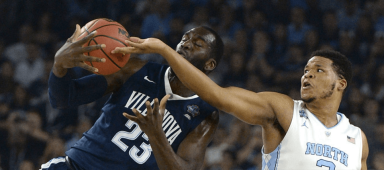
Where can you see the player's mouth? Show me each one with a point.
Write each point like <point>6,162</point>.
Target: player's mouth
<point>306,85</point>
<point>182,53</point>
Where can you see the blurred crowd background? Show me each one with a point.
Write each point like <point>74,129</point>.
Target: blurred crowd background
<point>267,44</point>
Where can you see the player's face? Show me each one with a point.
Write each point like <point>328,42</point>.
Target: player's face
<point>319,79</point>
<point>195,46</point>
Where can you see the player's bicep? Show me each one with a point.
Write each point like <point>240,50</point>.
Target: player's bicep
<point>365,151</point>
<point>251,107</point>
<point>192,149</point>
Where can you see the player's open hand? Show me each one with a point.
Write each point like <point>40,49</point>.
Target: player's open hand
<point>141,46</point>
<point>71,54</point>
<point>152,122</point>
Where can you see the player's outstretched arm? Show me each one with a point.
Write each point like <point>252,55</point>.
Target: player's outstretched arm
<point>253,108</point>
<point>190,154</point>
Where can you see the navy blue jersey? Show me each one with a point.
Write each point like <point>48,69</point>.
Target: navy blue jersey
<point>114,142</point>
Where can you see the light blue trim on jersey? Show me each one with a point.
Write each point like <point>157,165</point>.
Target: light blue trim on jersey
<point>271,160</point>
<point>340,114</point>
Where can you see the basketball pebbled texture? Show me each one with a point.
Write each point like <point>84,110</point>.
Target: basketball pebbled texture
<point>112,34</point>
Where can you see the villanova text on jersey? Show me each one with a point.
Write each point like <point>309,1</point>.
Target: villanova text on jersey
<point>170,126</point>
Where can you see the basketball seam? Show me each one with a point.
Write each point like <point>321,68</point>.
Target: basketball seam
<point>93,39</point>
<point>108,25</point>
<point>86,29</point>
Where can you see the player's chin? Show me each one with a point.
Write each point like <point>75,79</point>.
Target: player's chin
<point>307,98</point>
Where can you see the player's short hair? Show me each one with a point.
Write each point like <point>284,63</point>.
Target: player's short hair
<point>341,65</point>
<point>218,45</point>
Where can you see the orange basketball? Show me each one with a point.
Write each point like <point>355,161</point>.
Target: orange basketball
<point>112,34</point>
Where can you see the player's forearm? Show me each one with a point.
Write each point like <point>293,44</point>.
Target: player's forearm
<point>165,157</point>
<point>191,77</point>
<point>66,91</point>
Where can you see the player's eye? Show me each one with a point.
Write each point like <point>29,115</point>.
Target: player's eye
<point>305,71</point>
<point>320,70</point>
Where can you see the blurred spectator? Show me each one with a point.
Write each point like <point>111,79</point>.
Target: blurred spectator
<point>18,52</point>
<point>314,13</point>
<point>329,30</point>
<point>354,101</point>
<point>185,10</point>
<point>20,99</point>
<point>378,16</point>
<point>374,88</point>
<point>236,71</point>
<point>378,160</point>
<point>279,43</point>
<point>157,23</point>
<point>245,156</point>
<point>214,153</point>
<point>327,5</point>
<point>291,67</point>
<point>176,32</point>
<point>349,15</point>
<point>199,18</point>
<point>44,35</point>
<point>311,42</point>
<point>281,12</point>
<point>297,28</point>
<point>7,84</point>
<point>27,165</point>
<point>240,42</point>
<point>364,35</point>
<point>259,62</point>
<point>55,148</point>
<point>32,68</point>
<point>228,25</point>
<point>256,21</point>
<point>254,83</point>
<point>348,46</point>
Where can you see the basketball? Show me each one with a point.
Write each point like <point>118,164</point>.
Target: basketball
<point>112,34</point>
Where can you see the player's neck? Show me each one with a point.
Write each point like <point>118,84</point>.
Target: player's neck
<point>178,87</point>
<point>325,111</point>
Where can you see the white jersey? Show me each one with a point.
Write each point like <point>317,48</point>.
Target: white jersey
<point>309,145</point>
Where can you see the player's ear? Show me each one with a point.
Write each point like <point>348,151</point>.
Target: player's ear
<point>342,84</point>
<point>210,64</point>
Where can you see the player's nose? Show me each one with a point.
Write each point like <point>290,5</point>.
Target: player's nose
<point>186,44</point>
<point>309,74</point>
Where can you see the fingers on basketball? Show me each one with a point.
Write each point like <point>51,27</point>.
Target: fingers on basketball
<point>92,59</point>
<point>87,67</point>
<point>91,48</point>
<point>136,39</point>
<point>86,38</point>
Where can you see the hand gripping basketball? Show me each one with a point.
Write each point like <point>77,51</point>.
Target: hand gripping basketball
<point>71,54</point>
<point>112,34</point>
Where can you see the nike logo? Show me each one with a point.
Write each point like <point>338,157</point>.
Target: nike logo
<point>146,78</point>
